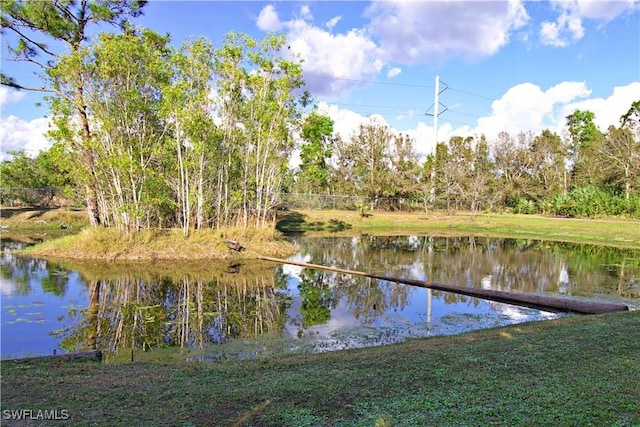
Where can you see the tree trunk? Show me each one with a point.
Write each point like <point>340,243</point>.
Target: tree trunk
<point>93,210</point>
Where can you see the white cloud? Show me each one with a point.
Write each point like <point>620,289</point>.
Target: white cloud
<point>332,63</point>
<point>268,19</point>
<point>568,27</point>
<point>394,72</point>
<point>527,107</point>
<point>333,22</point>
<point>305,12</point>
<point>605,10</point>
<point>404,32</point>
<point>10,96</point>
<point>17,134</point>
<point>566,30</point>
<point>440,30</point>
<point>523,108</point>
<point>567,92</point>
<point>345,121</point>
<point>608,110</point>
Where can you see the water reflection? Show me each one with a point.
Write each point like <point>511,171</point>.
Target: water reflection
<point>190,312</point>
<point>116,307</point>
<point>516,265</point>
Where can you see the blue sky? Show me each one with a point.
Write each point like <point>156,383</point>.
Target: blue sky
<point>504,65</point>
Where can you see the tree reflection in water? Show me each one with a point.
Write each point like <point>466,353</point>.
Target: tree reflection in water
<point>127,312</point>
<point>149,306</point>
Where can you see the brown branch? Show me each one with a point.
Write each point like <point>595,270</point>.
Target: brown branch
<point>20,87</point>
<point>40,46</point>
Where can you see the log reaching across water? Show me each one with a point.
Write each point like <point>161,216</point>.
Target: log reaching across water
<point>541,302</point>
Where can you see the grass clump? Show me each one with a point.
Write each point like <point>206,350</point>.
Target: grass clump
<point>579,370</point>
<point>112,244</point>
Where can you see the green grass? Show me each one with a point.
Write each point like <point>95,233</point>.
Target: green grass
<point>575,371</point>
<point>610,232</point>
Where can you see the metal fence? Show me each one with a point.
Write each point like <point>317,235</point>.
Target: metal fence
<point>54,198</point>
<point>48,197</point>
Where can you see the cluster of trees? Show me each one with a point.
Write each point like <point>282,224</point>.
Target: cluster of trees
<point>156,136</point>
<point>584,172</point>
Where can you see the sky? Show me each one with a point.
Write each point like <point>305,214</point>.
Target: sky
<point>513,66</point>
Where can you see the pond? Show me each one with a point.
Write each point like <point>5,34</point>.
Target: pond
<point>219,311</point>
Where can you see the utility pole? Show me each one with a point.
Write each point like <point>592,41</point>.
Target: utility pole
<point>436,104</point>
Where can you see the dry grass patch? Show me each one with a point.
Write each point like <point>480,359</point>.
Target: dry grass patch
<point>110,244</point>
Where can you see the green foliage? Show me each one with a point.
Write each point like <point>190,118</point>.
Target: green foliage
<point>35,181</point>
<point>586,141</point>
<point>593,202</point>
<point>135,132</point>
<point>377,163</point>
<point>67,24</point>
<point>317,148</point>
<point>316,299</point>
<point>524,206</point>
<point>259,106</point>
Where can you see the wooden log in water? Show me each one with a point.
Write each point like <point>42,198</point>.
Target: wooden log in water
<point>95,355</point>
<point>541,302</point>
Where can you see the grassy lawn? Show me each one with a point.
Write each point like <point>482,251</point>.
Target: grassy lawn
<point>575,371</point>
<point>610,232</point>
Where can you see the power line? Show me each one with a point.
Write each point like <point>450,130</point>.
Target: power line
<point>465,92</point>
<point>367,81</point>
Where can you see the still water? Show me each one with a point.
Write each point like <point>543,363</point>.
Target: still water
<point>257,309</point>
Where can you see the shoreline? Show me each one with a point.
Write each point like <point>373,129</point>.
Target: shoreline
<point>61,234</point>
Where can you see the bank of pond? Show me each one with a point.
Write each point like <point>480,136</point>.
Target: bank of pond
<point>219,310</point>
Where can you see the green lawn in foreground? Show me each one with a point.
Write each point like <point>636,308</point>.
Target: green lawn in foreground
<point>575,371</point>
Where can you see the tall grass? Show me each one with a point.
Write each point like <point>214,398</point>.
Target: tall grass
<point>112,244</point>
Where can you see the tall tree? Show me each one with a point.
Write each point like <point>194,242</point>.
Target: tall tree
<point>585,143</point>
<point>39,26</point>
<point>343,174</point>
<point>369,147</point>
<point>186,105</point>
<point>124,77</point>
<point>259,109</point>
<point>621,155</point>
<point>513,166</point>
<point>481,188</point>
<point>426,185</point>
<point>547,160</point>
<point>623,147</point>
<point>315,151</point>
<point>405,167</point>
